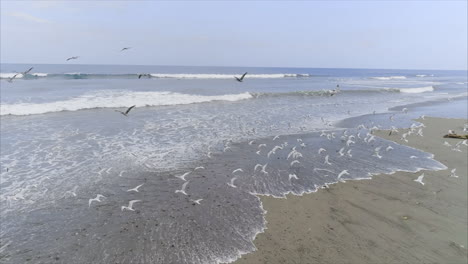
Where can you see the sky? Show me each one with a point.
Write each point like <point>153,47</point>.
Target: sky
<point>312,34</point>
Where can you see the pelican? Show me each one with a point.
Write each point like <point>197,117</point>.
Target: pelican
<point>241,78</point>
<point>135,189</point>
<point>420,179</point>
<point>126,112</point>
<point>97,199</point>
<point>130,205</point>
<point>73,58</point>
<point>231,183</point>
<point>184,186</point>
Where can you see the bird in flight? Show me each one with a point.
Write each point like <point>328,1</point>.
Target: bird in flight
<point>12,78</point>
<point>97,199</point>
<point>73,58</point>
<point>26,72</point>
<point>126,48</point>
<point>130,205</point>
<point>420,179</point>
<point>135,189</point>
<point>241,78</point>
<point>126,112</point>
<point>143,74</point>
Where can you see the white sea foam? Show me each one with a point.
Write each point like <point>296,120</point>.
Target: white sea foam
<point>389,78</point>
<point>421,75</point>
<point>7,75</point>
<point>39,74</point>
<point>114,100</point>
<point>225,76</point>
<point>417,90</point>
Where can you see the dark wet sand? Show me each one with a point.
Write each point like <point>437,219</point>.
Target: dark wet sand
<point>389,219</point>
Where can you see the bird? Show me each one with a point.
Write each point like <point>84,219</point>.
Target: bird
<point>389,148</point>
<point>130,205</point>
<point>341,152</point>
<point>349,142</point>
<point>97,199</point>
<point>72,192</point>
<point>404,110</point>
<point>293,176</point>
<point>251,142</point>
<point>240,170</point>
<point>464,142</point>
<point>135,189</point>
<point>349,153</point>
<point>344,172</point>
<point>422,117</point>
<point>413,157</point>
<point>447,144</point>
<point>376,154</point>
<point>126,48</point>
<point>231,183</point>
<point>199,168</point>
<point>258,152</point>
<point>121,173</point>
<point>12,78</point>
<point>241,78</point>
<point>264,168</point>
<point>453,173</point>
<point>196,201</point>
<point>184,186</point>
<point>182,177</point>
<point>126,112</point>
<point>258,166</point>
<point>294,162</point>
<point>321,150</point>
<point>143,74</point>
<point>26,72</point>
<point>73,58</point>
<point>261,145</point>
<point>326,160</point>
<point>276,137</point>
<point>420,179</point>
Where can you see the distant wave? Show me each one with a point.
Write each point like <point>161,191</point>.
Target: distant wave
<point>417,90</point>
<point>79,75</point>
<point>115,100</point>
<point>389,78</point>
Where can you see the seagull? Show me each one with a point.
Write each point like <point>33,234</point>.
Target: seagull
<point>251,142</point>
<point>293,176</point>
<point>413,157</point>
<point>26,72</point>
<point>72,192</point>
<point>389,148</point>
<point>326,160</point>
<point>234,171</point>
<point>276,137</point>
<point>199,168</point>
<point>393,130</point>
<point>464,142</point>
<point>130,205</point>
<point>135,189</point>
<point>258,152</point>
<point>453,173</point>
<point>349,153</point>
<point>376,154</point>
<point>303,145</point>
<point>258,166</point>
<point>447,144</point>
<point>97,199</point>
<point>143,74</point>
<point>196,201</point>
<point>344,172</point>
<point>261,145</point>
<point>422,117</point>
<point>182,177</point>
<point>126,48</point>
<point>264,169</point>
<point>420,179</point>
<point>184,186</point>
<point>126,112</point>
<point>294,162</point>
<point>241,78</point>
<point>121,173</point>
<point>73,58</point>
<point>349,142</point>
<point>404,110</point>
<point>294,154</point>
<point>341,152</point>
<point>208,155</point>
<point>12,78</point>
<point>321,150</point>
<point>231,183</point>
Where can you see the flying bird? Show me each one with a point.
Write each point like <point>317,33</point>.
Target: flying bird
<point>453,173</point>
<point>196,201</point>
<point>126,48</point>
<point>321,150</point>
<point>26,72</point>
<point>184,186</point>
<point>237,170</point>
<point>143,74</point>
<point>97,199</point>
<point>241,78</point>
<point>231,183</point>
<point>293,176</point>
<point>73,58</point>
<point>126,112</point>
<point>199,168</point>
<point>182,177</point>
<point>326,160</point>
<point>420,179</point>
<point>344,172</point>
<point>130,205</point>
<point>135,189</point>
<point>12,78</point>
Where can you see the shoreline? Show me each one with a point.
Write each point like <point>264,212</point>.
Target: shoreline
<point>367,222</point>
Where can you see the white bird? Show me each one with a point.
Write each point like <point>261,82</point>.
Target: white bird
<point>422,117</point>
<point>457,149</point>
<point>404,110</point>
<point>199,168</point>
<point>371,138</point>
<point>420,133</point>
<point>321,150</point>
<point>344,172</point>
<point>376,154</point>
<point>130,205</point>
<point>135,189</point>
<point>303,145</point>
<point>196,201</point>
<point>294,154</point>
<point>257,167</point>
<point>293,176</point>
<point>447,144</point>
<point>453,173</point>
<point>392,118</point>
<point>184,186</point>
<point>261,145</point>
<point>323,133</point>
<point>231,183</point>
<point>251,142</point>
<point>276,137</point>
<point>208,155</point>
<point>108,170</point>
<point>413,157</point>
<point>97,199</point>
<point>258,152</point>
<point>121,173</point>
<point>264,169</point>
<point>299,140</point>
<point>389,148</point>
<point>451,131</point>
<point>237,170</point>
<point>326,160</point>
<point>294,162</point>
<point>464,142</point>
<point>349,142</point>
<point>341,152</point>
<point>403,137</point>
<point>72,192</point>
<point>182,177</point>
<point>349,153</point>
<point>420,179</point>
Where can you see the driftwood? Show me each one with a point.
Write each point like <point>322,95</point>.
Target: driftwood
<point>456,136</point>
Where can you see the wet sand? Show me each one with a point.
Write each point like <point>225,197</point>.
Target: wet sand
<point>389,219</point>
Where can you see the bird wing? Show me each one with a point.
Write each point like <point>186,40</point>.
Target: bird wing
<point>185,185</point>
<point>243,75</point>
<point>26,72</point>
<point>130,204</point>
<point>130,108</point>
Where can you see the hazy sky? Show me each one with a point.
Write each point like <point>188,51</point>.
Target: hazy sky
<point>321,34</point>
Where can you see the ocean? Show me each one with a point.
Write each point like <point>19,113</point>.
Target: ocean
<point>62,143</point>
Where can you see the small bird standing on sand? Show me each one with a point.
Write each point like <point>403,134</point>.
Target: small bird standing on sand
<point>126,112</point>
<point>73,58</point>
<point>130,205</point>
<point>241,78</point>
<point>420,179</point>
